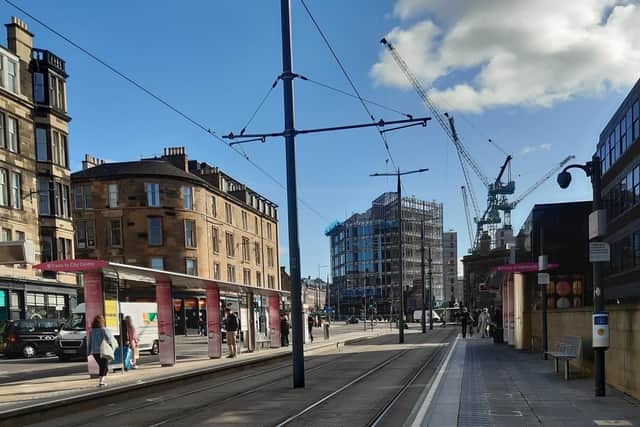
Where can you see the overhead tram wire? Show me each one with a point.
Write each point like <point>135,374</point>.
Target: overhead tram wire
<point>176,110</point>
<point>353,86</point>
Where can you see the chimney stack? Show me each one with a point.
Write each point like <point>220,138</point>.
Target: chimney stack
<point>177,156</point>
<point>19,39</point>
<point>90,161</point>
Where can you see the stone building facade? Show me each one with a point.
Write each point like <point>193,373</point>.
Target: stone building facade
<point>178,215</point>
<point>34,177</point>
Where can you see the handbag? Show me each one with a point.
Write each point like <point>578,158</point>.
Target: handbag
<point>106,351</point>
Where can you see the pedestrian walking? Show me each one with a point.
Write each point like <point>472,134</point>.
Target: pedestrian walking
<point>483,320</point>
<point>284,331</point>
<point>101,345</point>
<point>464,321</point>
<point>132,341</point>
<point>472,324</point>
<point>231,326</point>
<point>310,325</point>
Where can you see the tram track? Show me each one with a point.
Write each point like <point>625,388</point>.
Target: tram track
<point>379,416</point>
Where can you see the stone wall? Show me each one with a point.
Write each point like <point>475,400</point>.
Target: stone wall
<point>623,356</point>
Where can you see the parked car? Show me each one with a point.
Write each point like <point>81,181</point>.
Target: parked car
<point>352,320</point>
<point>28,338</point>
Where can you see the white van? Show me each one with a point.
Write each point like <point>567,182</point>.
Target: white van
<point>417,316</point>
<point>71,340</point>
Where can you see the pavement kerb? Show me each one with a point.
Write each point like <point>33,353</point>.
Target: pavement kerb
<point>8,417</point>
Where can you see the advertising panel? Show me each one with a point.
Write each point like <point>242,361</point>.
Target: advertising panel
<point>274,320</point>
<point>214,338</point>
<point>165,324</point>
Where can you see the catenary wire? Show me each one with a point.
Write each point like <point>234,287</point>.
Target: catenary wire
<point>165,103</point>
<point>264,99</point>
<point>344,92</point>
<point>353,86</point>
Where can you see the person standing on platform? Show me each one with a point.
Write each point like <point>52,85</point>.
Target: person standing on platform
<point>100,333</point>
<point>483,320</point>
<point>310,325</point>
<point>231,326</point>
<point>284,331</point>
<point>131,341</point>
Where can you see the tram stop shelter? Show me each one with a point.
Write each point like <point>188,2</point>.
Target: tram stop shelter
<point>98,278</point>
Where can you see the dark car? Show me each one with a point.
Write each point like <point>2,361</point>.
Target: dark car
<point>352,319</point>
<point>28,338</point>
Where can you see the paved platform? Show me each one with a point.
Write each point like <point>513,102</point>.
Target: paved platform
<point>487,384</point>
<point>24,394</point>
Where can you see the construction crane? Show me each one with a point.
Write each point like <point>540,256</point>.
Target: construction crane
<point>507,207</point>
<point>491,215</point>
<point>467,216</point>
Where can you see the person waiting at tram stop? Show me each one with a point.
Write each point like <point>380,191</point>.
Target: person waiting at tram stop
<point>130,339</point>
<point>231,326</point>
<point>284,331</point>
<point>99,337</point>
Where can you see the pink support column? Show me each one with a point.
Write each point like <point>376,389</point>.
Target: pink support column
<point>213,321</point>
<point>165,323</point>
<point>274,320</point>
<point>93,306</point>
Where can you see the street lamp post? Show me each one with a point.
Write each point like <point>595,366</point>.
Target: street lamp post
<point>593,170</point>
<point>423,321</point>
<point>398,174</point>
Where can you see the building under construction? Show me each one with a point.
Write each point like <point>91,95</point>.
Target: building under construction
<point>365,256</point>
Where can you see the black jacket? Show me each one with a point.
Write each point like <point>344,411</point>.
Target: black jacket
<point>231,323</point>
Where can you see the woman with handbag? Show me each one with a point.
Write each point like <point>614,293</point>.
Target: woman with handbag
<point>101,344</point>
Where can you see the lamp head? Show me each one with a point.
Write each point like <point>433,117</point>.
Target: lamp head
<point>564,179</point>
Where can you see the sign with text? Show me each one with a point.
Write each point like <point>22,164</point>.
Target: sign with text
<point>599,252</point>
<point>72,265</point>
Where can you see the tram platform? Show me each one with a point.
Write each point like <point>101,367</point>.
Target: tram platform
<point>18,398</point>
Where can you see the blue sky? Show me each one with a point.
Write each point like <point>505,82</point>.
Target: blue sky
<point>215,61</point>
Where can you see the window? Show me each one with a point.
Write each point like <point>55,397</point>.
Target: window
<point>157,263</point>
<point>42,152</point>
<point>214,209</point>
<point>231,273</point>
<point>245,249</point>
<point>65,202</point>
<point>85,236</point>
<point>230,246</point>
<point>258,279</point>
<point>245,225</point>
<point>228,213</point>
<point>56,92</point>
<point>271,282</point>
<point>64,248</point>
<point>112,196</point>
<point>270,257</point>
<point>6,235</point>
<point>256,223</point>
<point>20,235</point>
<point>269,232</point>
<point>115,233</point>
<point>38,87</point>
<point>44,192</point>
<point>78,202</point>
<point>153,194</point>
<point>246,276</point>
<point>2,127</point>
<point>190,233</point>
<point>12,128</point>
<point>256,252</point>
<point>13,82</point>
<point>190,267</point>
<point>154,227</point>
<point>16,193</point>
<point>216,271</point>
<point>636,184</point>
<point>215,240</point>
<point>4,188</point>
<point>59,148</point>
<point>187,195</point>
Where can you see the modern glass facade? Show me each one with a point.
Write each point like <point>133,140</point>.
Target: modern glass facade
<point>365,255</point>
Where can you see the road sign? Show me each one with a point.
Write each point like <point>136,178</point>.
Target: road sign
<point>599,252</point>
<point>543,278</point>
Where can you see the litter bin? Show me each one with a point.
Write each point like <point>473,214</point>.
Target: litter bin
<point>325,329</point>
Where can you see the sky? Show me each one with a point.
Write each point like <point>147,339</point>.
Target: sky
<point>540,78</point>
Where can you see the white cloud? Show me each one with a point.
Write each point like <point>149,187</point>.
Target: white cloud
<point>513,52</point>
<point>528,149</point>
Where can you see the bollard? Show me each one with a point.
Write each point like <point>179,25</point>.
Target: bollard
<point>325,328</point>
